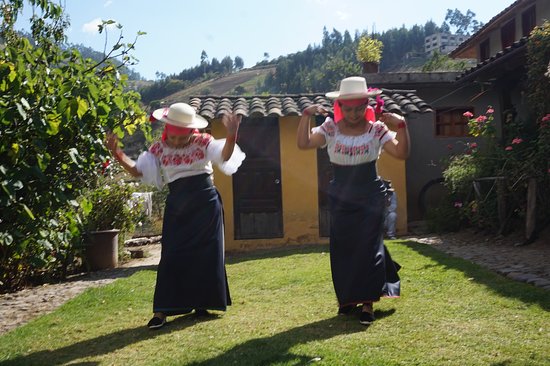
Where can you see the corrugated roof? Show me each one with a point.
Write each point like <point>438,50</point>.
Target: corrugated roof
<point>403,102</point>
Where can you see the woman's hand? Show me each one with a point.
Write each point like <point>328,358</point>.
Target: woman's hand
<point>111,141</point>
<point>392,120</point>
<point>231,123</point>
<point>314,109</point>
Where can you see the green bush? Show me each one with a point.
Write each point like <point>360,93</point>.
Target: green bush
<point>55,107</point>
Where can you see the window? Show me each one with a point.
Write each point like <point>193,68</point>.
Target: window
<point>508,33</point>
<point>484,50</point>
<point>450,122</point>
<point>528,21</point>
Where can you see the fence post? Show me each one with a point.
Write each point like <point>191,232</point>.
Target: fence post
<point>530,215</point>
<point>501,203</point>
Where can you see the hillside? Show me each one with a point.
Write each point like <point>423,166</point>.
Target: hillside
<point>247,79</point>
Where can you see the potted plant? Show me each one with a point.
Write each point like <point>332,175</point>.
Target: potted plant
<point>369,53</point>
<point>109,214</point>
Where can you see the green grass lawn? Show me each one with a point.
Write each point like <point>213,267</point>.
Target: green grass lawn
<point>451,312</point>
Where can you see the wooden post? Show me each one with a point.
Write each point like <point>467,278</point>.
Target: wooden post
<point>530,216</point>
<point>501,204</point>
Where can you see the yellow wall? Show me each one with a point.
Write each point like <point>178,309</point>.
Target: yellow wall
<point>393,169</point>
<point>299,192</point>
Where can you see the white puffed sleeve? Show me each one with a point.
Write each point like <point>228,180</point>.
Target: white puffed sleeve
<point>214,153</point>
<point>148,165</point>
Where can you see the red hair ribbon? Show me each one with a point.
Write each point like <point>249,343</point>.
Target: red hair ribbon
<point>379,105</point>
<point>177,131</point>
<point>369,111</point>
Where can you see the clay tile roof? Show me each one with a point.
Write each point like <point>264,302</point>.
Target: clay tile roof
<point>402,102</point>
<point>501,56</point>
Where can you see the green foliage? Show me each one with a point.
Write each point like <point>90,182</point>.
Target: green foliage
<point>445,217</point>
<point>522,153</point>
<point>461,172</point>
<point>55,107</point>
<point>110,206</point>
<point>441,62</point>
<point>369,49</point>
<point>464,23</point>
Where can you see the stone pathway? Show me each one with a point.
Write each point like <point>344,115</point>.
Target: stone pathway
<point>524,263</point>
<point>530,263</point>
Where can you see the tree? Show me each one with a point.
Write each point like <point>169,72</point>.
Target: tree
<point>204,61</point>
<point>239,63</point>
<point>55,107</point>
<point>227,64</point>
<point>441,62</point>
<point>464,23</point>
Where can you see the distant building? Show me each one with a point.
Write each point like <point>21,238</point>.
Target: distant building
<point>443,42</point>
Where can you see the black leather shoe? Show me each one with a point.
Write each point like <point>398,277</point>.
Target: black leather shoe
<point>366,318</point>
<point>156,322</point>
<point>344,310</point>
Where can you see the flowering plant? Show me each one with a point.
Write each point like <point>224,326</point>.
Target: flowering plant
<point>481,125</point>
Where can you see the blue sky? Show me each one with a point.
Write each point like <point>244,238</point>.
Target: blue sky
<point>179,30</point>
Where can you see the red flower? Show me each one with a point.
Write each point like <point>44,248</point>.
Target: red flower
<point>104,166</point>
<point>508,148</point>
<point>517,140</point>
<point>490,111</point>
<point>481,119</point>
<point>468,114</point>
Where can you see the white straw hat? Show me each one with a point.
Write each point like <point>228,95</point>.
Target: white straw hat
<point>353,88</point>
<point>180,115</point>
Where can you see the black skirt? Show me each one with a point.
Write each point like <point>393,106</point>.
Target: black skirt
<point>191,272</point>
<point>362,268</point>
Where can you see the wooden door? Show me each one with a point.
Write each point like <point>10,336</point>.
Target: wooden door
<point>257,184</point>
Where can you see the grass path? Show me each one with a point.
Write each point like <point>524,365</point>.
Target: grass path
<point>451,312</point>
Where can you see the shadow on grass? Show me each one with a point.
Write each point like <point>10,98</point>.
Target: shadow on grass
<point>255,351</point>
<point>496,282</point>
<point>104,344</point>
<point>276,348</point>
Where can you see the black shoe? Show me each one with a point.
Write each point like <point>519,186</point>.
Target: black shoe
<point>156,322</point>
<point>344,310</point>
<point>201,312</point>
<point>366,318</point>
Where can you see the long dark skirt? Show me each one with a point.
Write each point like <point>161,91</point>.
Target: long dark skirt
<point>362,268</point>
<point>191,273</point>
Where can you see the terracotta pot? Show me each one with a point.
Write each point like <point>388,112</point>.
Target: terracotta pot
<point>102,249</point>
<point>370,67</point>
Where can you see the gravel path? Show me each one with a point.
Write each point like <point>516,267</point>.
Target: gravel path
<point>530,263</point>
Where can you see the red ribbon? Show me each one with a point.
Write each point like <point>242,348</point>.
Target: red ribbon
<point>369,111</point>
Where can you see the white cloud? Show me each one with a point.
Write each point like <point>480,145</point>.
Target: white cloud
<point>107,3</point>
<point>91,26</point>
<point>342,15</point>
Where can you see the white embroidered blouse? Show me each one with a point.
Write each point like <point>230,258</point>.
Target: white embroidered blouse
<point>354,150</point>
<point>194,159</point>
